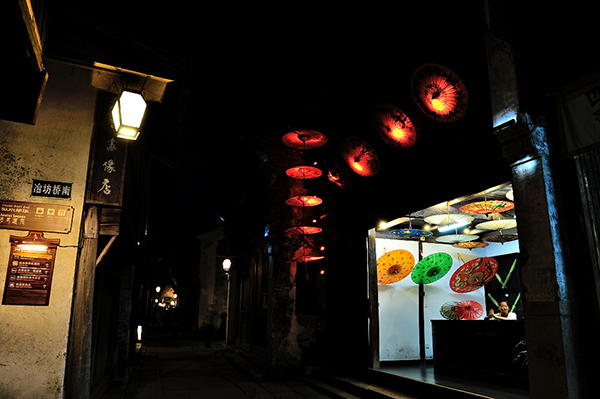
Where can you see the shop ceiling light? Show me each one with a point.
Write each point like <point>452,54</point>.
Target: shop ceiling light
<point>454,226</point>
<point>128,114</point>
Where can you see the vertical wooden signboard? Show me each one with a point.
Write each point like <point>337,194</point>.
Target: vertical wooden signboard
<point>30,267</point>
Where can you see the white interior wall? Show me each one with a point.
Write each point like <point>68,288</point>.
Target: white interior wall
<point>399,302</point>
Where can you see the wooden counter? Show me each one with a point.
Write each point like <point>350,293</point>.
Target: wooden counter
<point>481,350</point>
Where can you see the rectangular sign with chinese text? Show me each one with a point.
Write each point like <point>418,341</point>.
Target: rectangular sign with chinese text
<point>51,189</point>
<point>30,268</point>
<point>35,216</point>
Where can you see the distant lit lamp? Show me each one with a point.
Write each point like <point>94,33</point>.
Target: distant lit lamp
<point>128,114</point>
<point>226,265</point>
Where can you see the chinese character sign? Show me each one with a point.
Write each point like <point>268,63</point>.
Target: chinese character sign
<point>105,181</point>
<point>51,189</point>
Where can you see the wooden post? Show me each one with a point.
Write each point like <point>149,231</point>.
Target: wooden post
<point>373,301</point>
<point>80,339</point>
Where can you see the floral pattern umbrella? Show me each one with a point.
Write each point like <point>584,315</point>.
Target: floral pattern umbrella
<point>447,310</point>
<point>469,310</point>
<point>431,268</point>
<point>394,266</point>
<point>487,207</point>
<point>473,275</point>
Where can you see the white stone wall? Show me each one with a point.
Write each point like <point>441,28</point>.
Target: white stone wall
<point>33,339</point>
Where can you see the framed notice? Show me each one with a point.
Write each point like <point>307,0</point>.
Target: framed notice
<point>53,218</point>
<point>30,267</point>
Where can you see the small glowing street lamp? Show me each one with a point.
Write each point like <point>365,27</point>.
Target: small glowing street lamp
<point>128,114</point>
<point>226,265</point>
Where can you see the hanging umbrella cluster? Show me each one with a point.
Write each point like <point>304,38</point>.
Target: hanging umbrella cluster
<point>394,266</point>
<point>303,140</point>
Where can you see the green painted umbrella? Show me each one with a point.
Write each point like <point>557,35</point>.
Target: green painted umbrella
<point>431,268</point>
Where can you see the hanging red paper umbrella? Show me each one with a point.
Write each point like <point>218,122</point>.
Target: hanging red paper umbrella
<point>304,230</point>
<point>304,200</point>
<point>394,126</point>
<point>360,156</point>
<point>439,92</point>
<point>469,310</point>
<point>473,275</point>
<point>304,172</point>
<point>394,266</point>
<point>304,139</point>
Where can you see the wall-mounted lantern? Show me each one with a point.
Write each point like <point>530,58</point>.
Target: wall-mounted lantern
<point>134,89</point>
<point>128,114</point>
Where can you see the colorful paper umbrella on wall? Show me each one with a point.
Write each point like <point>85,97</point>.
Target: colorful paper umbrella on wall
<point>439,92</point>
<point>394,126</point>
<point>487,207</point>
<point>469,310</point>
<point>473,275</point>
<point>501,238</point>
<point>360,156</point>
<point>394,266</point>
<point>470,244</point>
<point>304,139</point>
<point>447,310</point>
<point>431,268</point>
<point>303,172</point>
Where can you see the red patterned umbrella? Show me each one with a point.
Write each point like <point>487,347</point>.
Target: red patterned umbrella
<point>360,156</point>
<point>394,126</point>
<point>439,92</point>
<point>469,310</point>
<point>473,275</point>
